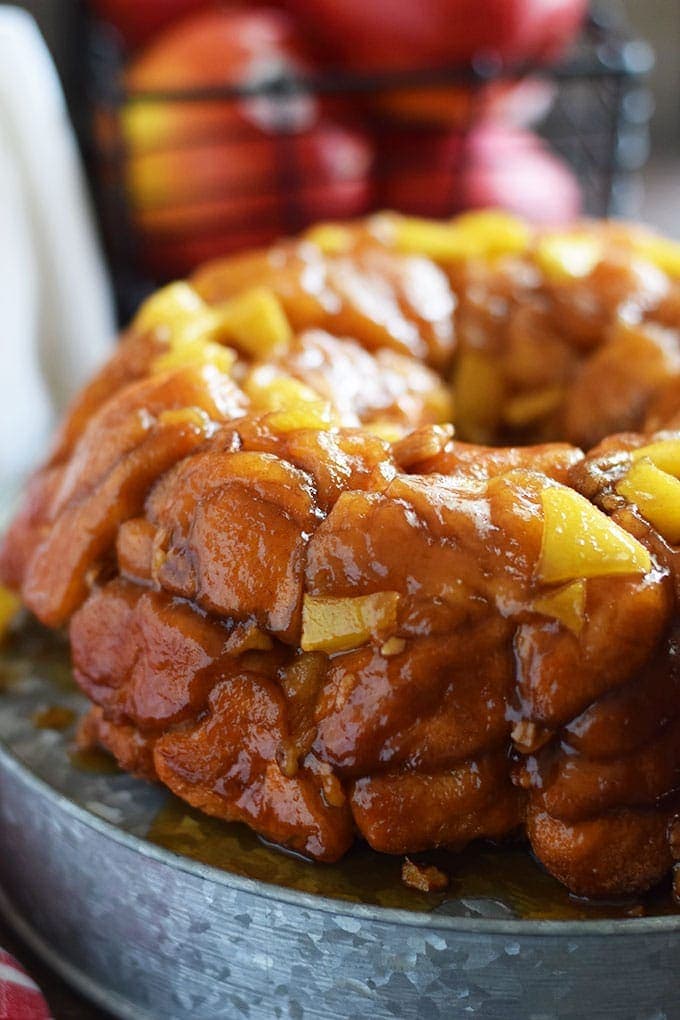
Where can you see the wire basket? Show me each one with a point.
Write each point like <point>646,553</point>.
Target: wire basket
<point>283,153</point>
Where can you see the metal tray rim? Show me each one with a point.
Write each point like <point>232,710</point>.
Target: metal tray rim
<point>362,911</point>
<point>107,999</point>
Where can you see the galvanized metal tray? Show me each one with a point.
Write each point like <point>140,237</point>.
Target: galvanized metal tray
<point>149,933</point>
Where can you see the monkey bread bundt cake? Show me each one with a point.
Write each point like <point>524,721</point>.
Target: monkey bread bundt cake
<point>300,601</point>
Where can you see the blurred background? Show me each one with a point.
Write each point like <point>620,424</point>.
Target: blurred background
<point>209,127</point>
<point>659,22</point>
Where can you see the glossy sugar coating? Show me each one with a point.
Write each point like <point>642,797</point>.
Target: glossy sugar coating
<point>299,602</point>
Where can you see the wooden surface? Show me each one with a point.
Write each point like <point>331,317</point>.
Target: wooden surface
<point>64,1003</point>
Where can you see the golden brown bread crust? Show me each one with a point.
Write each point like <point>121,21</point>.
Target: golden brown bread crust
<point>184,531</point>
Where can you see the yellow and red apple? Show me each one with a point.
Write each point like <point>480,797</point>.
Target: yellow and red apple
<point>398,34</point>
<point>438,172</point>
<point>193,204</point>
<point>207,176</point>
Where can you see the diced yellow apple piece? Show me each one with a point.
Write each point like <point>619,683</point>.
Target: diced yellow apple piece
<point>181,318</point>
<point>268,389</point>
<point>415,236</point>
<point>656,495</point>
<point>317,416</point>
<point>249,638</point>
<point>390,431</point>
<point>478,390</point>
<point>197,352</point>
<point>255,322</point>
<point>293,405</point>
<point>579,541</point>
<point>393,646</point>
<point>331,238</point>
<point>195,417</point>
<point>10,604</point>
<point>493,232</point>
<point>662,252</point>
<point>257,641</point>
<point>178,313</point>
<point>177,299</point>
<point>482,234</point>
<point>528,737</point>
<point>566,604</point>
<point>439,402</point>
<point>331,624</point>
<point>665,453</point>
<point>527,408</point>
<point>564,257</point>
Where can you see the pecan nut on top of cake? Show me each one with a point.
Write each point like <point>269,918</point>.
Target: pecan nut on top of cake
<point>298,601</point>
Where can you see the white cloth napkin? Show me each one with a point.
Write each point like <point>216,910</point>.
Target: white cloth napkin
<point>56,317</point>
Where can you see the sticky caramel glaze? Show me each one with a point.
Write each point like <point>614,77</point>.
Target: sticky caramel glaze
<point>596,477</point>
<point>605,344</point>
<point>573,357</point>
<point>367,387</point>
<point>383,299</point>
<point>360,386</point>
<point>193,661</point>
<point>183,533</point>
<point>602,791</point>
<point>409,746</point>
<point>70,524</point>
<point>114,442</point>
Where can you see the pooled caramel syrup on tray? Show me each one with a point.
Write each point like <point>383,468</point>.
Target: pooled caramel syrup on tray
<point>505,875</point>
<point>485,880</point>
<point>34,650</point>
<point>53,717</point>
<point>93,760</point>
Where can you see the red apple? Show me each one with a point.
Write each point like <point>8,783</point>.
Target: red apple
<point>438,173</point>
<point>218,47</point>
<point>218,229</point>
<point>328,154</point>
<point>205,177</point>
<point>400,34</point>
<point>139,20</point>
<point>209,50</point>
<point>270,211</point>
<point>520,103</point>
<point>201,201</point>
